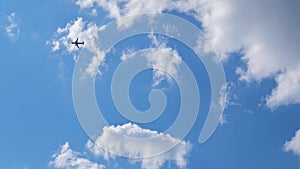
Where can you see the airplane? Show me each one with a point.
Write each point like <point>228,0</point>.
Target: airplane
<point>76,43</point>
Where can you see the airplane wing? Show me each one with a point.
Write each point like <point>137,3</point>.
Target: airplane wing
<point>76,43</point>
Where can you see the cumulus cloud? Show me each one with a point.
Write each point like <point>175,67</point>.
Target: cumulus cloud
<point>164,60</point>
<point>112,140</point>
<point>66,158</point>
<point>116,139</point>
<point>84,31</point>
<point>117,9</point>
<point>267,37</point>
<point>293,145</point>
<point>161,57</point>
<point>12,28</point>
<point>265,31</point>
<point>287,90</point>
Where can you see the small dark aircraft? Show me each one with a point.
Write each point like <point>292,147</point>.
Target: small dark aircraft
<point>76,43</point>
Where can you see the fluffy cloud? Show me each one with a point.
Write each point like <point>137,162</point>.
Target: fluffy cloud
<point>84,31</point>
<point>12,27</point>
<point>293,145</point>
<point>287,90</point>
<point>159,57</point>
<point>117,9</point>
<point>112,140</point>
<point>89,32</point>
<point>66,158</point>
<point>163,58</point>
<point>265,31</point>
<point>267,37</point>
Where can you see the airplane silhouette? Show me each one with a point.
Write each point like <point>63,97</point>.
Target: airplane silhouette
<point>76,43</point>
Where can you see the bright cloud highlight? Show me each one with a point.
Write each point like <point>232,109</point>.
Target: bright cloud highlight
<point>112,140</point>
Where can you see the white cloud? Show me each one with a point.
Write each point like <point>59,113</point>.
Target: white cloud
<point>160,58</point>
<point>269,39</point>
<point>266,31</point>
<point>164,60</point>
<point>227,98</point>
<point>99,151</point>
<point>287,90</point>
<point>224,102</point>
<point>113,141</point>
<point>223,119</point>
<point>293,145</point>
<point>224,96</point>
<point>84,31</point>
<point>85,3</point>
<point>12,28</point>
<point>117,9</point>
<point>66,158</point>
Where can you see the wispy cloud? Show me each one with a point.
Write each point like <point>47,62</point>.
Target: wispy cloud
<point>12,27</point>
<point>227,98</point>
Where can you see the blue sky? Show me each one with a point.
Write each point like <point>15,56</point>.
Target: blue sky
<point>257,45</point>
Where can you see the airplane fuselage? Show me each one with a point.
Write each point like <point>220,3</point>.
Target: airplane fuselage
<point>76,43</point>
